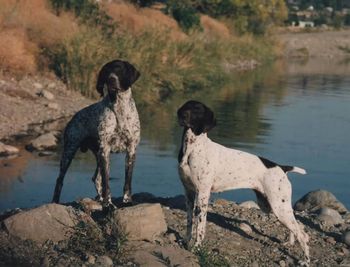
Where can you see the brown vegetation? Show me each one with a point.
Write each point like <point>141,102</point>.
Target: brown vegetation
<point>26,27</point>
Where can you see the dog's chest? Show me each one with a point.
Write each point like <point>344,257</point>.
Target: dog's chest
<point>127,131</point>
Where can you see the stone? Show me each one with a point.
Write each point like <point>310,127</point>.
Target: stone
<point>6,150</point>
<point>46,94</point>
<point>346,238</point>
<point>103,261</point>
<point>46,141</point>
<point>222,202</point>
<point>249,205</point>
<point>245,228</point>
<point>140,222</point>
<point>329,216</point>
<point>38,86</point>
<point>315,200</point>
<point>160,256</point>
<point>53,106</point>
<point>89,204</point>
<point>48,222</point>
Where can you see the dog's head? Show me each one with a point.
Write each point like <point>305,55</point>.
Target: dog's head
<point>118,75</point>
<point>197,116</point>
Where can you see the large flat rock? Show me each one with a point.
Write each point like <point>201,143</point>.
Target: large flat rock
<point>49,222</point>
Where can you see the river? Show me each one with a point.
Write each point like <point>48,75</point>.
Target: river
<point>294,114</point>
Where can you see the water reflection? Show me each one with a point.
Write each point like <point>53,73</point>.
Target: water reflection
<point>293,114</point>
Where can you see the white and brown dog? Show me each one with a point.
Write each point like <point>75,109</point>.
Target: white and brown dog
<point>206,167</point>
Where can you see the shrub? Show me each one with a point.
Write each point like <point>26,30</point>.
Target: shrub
<point>184,13</point>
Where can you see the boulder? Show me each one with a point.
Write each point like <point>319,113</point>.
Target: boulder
<point>46,141</point>
<point>315,200</point>
<point>329,217</point>
<point>6,150</point>
<point>48,222</point>
<point>140,222</point>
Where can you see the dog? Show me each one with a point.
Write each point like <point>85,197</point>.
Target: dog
<point>205,167</point>
<point>111,125</point>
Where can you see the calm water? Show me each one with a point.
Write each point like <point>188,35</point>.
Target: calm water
<point>295,114</point>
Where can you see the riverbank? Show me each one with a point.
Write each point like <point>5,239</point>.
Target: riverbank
<point>237,235</point>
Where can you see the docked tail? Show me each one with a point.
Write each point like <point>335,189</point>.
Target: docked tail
<point>292,169</point>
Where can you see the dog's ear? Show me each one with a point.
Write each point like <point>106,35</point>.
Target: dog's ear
<point>204,121</point>
<point>102,77</point>
<point>131,74</point>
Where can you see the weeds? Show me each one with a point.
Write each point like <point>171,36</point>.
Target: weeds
<point>209,258</point>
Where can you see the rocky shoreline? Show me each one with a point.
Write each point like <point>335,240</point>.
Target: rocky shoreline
<point>151,232</point>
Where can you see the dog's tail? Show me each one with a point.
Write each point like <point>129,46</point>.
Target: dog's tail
<point>293,169</point>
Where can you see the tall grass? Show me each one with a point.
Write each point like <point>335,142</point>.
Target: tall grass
<point>75,48</point>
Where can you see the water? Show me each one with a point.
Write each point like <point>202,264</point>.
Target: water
<point>296,114</point>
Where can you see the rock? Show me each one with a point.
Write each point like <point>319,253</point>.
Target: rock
<point>46,141</point>
<point>90,259</point>
<point>38,86</point>
<point>222,202</point>
<point>249,205</point>
<point>90,205</point>
<point>6,150</point>
<point>315,200</point>
<point>48,222</point>
<point>45,153</point>
<point>53,106</point>
<point>103,261</point>
<point>140,222</point>
<point>159,256</point>
<point>46,94</point>
<point>329,216</point>
<point>346,238</point>
<point>245,228</point>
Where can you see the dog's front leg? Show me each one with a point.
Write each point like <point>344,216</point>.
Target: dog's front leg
<point>103,162</point>
<point>200,217</point>
<point>129,167</point>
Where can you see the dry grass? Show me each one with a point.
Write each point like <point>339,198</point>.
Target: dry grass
<point>26,26</point>
<point>17,53</point>
<point>138,20</point>
<point>214,28</point>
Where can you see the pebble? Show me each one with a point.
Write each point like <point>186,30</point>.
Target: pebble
<point>249,205</point>
<point>53,106</point>
<point>346,238</point>
<point>46,94</point>
<point>104,261</point>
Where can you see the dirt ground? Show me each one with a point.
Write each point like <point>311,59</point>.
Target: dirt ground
<point>22,103</point>
<point>324,44</point>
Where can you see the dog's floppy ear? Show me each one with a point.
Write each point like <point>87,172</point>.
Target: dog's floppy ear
<point>204,122</point>
<point>131,74</point>
<point>103,76</point>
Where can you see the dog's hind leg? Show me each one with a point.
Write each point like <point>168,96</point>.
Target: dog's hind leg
<point>68,154</point>
<point>279,193</point>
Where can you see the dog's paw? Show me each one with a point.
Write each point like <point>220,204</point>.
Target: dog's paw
<point>108,206</point>
<point>127,199</point>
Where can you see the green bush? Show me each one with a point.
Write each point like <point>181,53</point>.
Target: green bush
<point>184,13</point>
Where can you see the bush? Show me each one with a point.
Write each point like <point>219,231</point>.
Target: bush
<point>186,15</point>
